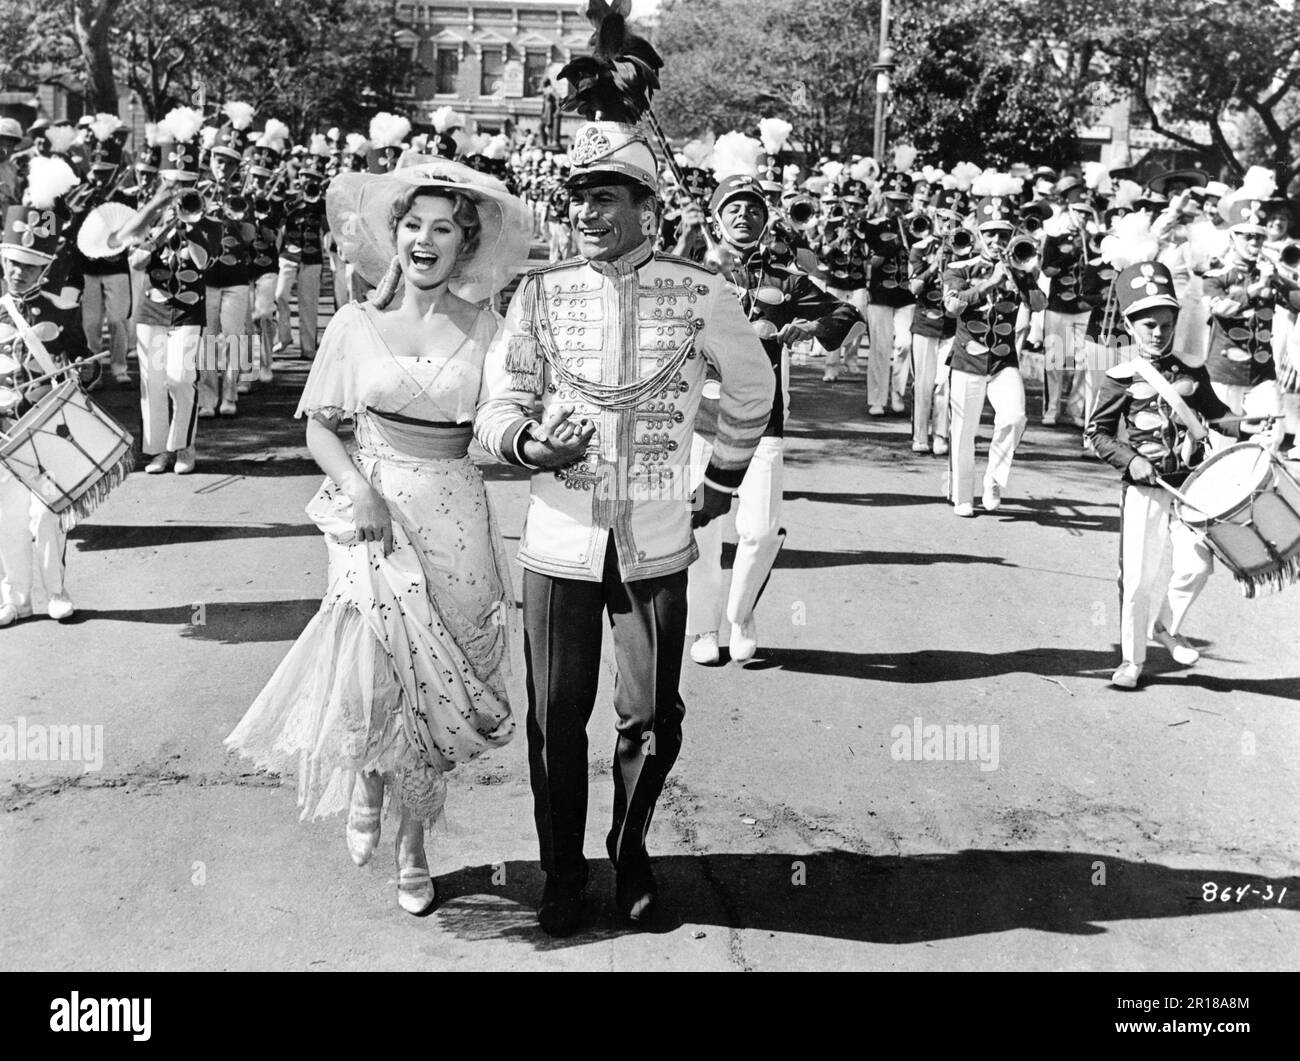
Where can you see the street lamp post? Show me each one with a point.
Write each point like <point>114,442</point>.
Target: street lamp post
<point>882,68</point>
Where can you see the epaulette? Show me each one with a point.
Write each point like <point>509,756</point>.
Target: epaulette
<point>675,259</point>
<point>1122,371</point>
<point>67,298</point>
<point>551,267</point>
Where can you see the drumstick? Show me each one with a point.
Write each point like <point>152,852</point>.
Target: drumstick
<point>1183,498</point>
<point>68,368</point>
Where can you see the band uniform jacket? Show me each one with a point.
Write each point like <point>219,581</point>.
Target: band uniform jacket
<point>930,320</point>
<point>56,322</point>
<point>888,285</point>
<point>1151,428</point>
<point>986,324</point>
<point>772,296</point>
<point>305,227</point>
<point>1241,333</point>
<point>647,321</point>
<point>1065,263</point>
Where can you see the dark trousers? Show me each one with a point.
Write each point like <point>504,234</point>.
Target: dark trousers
<point>562,639</point>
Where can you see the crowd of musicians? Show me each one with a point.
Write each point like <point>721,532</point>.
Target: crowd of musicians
<point>947,288</point>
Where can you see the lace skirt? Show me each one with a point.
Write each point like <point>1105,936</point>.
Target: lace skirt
<point>404,669</point>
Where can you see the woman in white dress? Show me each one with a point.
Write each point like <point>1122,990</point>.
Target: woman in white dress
<point>401,674</point>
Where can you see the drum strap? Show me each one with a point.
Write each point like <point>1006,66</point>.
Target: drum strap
<point>1162,386</point>
<point>34,345</point>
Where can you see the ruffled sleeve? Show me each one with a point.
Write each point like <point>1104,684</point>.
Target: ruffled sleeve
<point>334,383</point>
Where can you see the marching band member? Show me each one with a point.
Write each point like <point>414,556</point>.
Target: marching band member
<point>1244,294</point>
<point>986,295</point>
<point>1164,405</point>
<point>890,303</point>
<point>178,243</point>
<point>39,331</point>
<point>933,328</point>
<point>228,274</point>
<point>302,250</point>
<point>845,254</point>
<point>106,291</point>
<point>784,306</point>
<point>1066,238</point>
<point>266,175</point>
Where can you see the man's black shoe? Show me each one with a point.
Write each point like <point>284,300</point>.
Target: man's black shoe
<point>636,893</point>
<point>560,913</point>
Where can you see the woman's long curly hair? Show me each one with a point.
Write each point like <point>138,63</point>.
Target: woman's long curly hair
<point>464,215</point>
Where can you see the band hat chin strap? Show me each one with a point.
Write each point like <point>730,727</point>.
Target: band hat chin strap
<point>34,345</point>
<point>1162,386</point>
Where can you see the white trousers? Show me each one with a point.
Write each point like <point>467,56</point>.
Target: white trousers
<point>889,329</point>
<point>930,387</point>
<point>1263,399</point>
<point>107,299</point>
<point>1163,566</point>
<point>966,394</point>
<point>339,280</point>
<point>1064,357</point>
<point>307,279</point>
<point>227,309</point>
<point>263,314</point>
<point>168,376</point>
<point>847,352</point>
<point>758,524</point>
<point>31,545</point>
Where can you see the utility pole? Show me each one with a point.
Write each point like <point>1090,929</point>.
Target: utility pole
<point>882,68</point>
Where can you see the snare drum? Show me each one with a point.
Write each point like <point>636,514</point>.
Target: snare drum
<point>1247,506</point>
<point>68,452</point>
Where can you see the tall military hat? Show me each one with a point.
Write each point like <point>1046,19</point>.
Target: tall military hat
<point>387,133</point>
<point>315,163</point>
<point>698,182</point>
<point>611,88</point>
<point>896,185</point>
<point>268,148</point>
<point>31,230</point>
<point>232,136</point>
<point>1143,285</point>
<point>105,145</point>
<point>178,135</point>
<point>949,200</point>
<point>737,186</point>
<point>997,196</point>
<point>1246,215</point>
<point>149,155</point>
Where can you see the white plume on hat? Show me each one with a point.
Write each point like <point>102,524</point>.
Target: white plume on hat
<point>419,142</point>
<point>1126,194</point>
<point>477,143</point>
<point>445,119</point>
<point>388,130</point>
<point>1097,178</point>
<point>1130,241</point>
<point>47,179</point>
<point>239,113</point>
<point>61,137</point>
<point>790,173</point>
<point>774,133</point>
<point>816,185</point>
<point>104,126</point>
<point>995,182</point>
<point>904,157</point>
<point>318,145</point>
<point>497,147</point>
<point>962,176</point>
<point>1258,183</point>
<point>274,136</point>
<point>932,175</point>
<point>831,170</point>
<point>865,169</point>
<point>735,153</point>
<point>150,133</point>
<point>356,144</point>
<point>699,152</point>
<point>181,125</point>
<point>208,136</point>
<point>332,134</point>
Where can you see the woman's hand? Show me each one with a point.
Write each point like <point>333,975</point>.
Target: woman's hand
<point>371,518</point>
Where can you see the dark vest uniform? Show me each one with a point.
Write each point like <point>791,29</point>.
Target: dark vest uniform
<point>985,343</point>
<point>887,240</point>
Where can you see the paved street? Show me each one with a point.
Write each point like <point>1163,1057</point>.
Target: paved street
<point>793,835</point>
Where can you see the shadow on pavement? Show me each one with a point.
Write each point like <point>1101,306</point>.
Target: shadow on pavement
<point>797,559</point>
<point>866,898</point>
<point>94,536</point>
<point>869,500</point>
<point>231,623</point>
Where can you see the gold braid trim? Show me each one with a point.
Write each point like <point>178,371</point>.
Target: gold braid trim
<point>523,354</point>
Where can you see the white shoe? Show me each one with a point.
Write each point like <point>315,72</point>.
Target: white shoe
<point>185,461</point>
<point>228,408</point>
<point>415,891</point>
<point>265,375</point>
<point>244,386</point>
<point>121,375</point>
<point>992,496</point>
<point>158,464</point>
<point>830,375</point>
<point>963,508</point>
<point>60,607</point>
<point>851,368</point>
<point>9,614</point>
<point>704,649</point>
<point>1293,454</point>
<point>1178,647</point>
<point>940,447</point>
<point>1049,419</point>
<point>898,407</point>
<point>744,640</point>
<point>920,447</point>
<point>206,412</point>
<point>1126,676</point>
<point>876,410</point>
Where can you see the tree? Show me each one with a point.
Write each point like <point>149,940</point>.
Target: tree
<point>728,63</point>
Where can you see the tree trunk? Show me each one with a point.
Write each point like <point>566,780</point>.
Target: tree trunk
<point>91,21</point>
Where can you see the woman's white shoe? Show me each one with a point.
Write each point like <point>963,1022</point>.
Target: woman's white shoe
<point>363,817</point>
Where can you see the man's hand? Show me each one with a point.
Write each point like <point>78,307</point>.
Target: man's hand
<point>796,331</point>
<point>558,441</point>
<point>1140,470</point>
<point>707,504</point>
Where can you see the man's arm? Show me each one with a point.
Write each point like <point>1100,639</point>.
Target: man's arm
<point>833,317</point>
<point>1103,426</point>
<point>514,375</point>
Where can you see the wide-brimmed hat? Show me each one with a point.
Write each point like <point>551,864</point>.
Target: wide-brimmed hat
<point>359,205</point>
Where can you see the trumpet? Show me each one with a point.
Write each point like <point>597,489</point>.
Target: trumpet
<point>801,210</point>
<point>961,243</point>
<point>236,207</point>
<point>920,225</point>
<point>1286,261</point>
<point>1021,253</point>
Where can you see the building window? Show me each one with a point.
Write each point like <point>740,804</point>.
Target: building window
<point>448,70</point>
<point>492,70</point>
<point>535,64</point>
